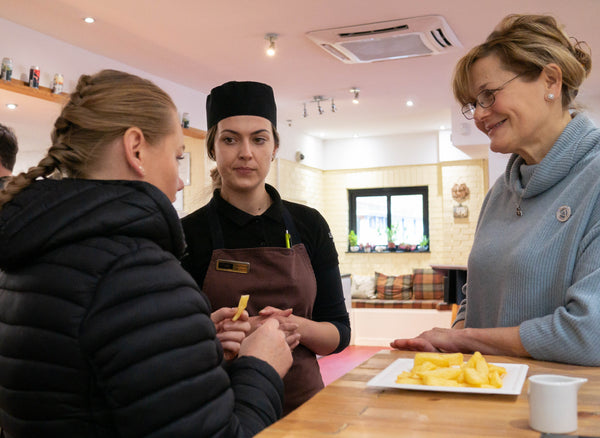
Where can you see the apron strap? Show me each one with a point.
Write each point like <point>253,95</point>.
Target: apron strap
<point>216,232</point>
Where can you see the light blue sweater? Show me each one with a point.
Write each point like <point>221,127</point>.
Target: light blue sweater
<point>536,271</point>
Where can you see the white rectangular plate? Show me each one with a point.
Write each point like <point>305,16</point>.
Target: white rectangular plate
<point>512,382</point>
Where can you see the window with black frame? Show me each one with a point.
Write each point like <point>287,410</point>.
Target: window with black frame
<point>390,219</point>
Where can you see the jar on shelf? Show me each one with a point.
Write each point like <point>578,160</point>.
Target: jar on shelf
<point>7,69</point>
<point>57,83</point>
<point>185,120</point>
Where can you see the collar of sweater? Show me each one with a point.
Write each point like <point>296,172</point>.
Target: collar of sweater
<point>579,138</point>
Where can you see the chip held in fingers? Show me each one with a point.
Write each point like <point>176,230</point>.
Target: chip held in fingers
<point>241,307</point>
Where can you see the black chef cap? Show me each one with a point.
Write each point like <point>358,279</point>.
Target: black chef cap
<point>240,99</point>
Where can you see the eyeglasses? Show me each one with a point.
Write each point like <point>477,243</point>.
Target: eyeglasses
<point>484,99</point>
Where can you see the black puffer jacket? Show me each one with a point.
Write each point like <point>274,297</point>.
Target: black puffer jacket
<point>103,334</point>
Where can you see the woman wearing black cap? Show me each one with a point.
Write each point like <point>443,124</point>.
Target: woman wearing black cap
<point>246,240</point>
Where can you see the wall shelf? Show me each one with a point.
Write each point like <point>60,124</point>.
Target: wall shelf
<point>194,133</point>
<point>46,93</point>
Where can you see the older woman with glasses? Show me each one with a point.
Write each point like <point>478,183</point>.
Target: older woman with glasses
<point>533,286</point>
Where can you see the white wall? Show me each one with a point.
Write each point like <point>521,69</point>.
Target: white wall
<point>27,47</point>
<point>396,150</point>
<point>447,151</point>
<point>292,141</point>
<point>496,165</point>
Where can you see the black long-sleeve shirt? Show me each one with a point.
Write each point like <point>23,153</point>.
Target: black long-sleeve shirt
<point>242,230</point>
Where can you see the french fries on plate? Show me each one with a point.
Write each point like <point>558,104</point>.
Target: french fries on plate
<point>449,369</point>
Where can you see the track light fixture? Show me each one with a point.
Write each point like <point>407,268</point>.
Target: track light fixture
<point>356,92</point>
<point>318,100</point>
<point>271,37</point>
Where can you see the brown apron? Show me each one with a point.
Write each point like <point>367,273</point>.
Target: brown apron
<point>278,277</point>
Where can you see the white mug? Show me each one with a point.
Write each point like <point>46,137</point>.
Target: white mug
<point>553,403</point>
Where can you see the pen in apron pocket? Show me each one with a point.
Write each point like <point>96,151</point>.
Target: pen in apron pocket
<point>287,239</point>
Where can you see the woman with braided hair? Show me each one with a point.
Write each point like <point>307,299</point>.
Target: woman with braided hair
<point>533,284</point>
<point>102,333</point>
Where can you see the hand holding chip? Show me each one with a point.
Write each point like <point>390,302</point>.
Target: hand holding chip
<point>232,325</point>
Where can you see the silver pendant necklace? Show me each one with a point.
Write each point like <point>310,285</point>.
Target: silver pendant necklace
<point>519,210</point>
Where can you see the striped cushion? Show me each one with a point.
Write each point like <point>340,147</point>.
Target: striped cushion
<point>428,285</point>
<point>393,287</point>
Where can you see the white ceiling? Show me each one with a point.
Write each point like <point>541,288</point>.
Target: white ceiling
<point>201,44</point>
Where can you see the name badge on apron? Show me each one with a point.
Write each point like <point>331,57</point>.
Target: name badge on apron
<point>233,266</point>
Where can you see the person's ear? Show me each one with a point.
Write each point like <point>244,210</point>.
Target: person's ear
<point>133,144</point>
<point>552,77</point>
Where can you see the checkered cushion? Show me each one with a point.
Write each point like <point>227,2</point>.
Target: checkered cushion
<point>428,285</point>
<point>393,287</point>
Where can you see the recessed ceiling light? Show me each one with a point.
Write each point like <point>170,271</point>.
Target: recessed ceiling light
<point>89,20</point>
<point>11,106</point>
<point>409,103</point>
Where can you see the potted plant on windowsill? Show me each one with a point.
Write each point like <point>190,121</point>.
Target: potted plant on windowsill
<point>353,241</point>
<point>424,245</point>
<point>391,237</point>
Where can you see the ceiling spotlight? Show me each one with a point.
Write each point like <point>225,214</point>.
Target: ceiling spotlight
<point>333,106</point>
<point>89,20</point>
<point>11,106</point>
<point>356,92</point>
<point>305,112</point>
<point>409,103</point>
<point>271,37</point>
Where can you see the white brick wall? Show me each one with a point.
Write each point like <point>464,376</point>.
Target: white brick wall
<point>450,238</point>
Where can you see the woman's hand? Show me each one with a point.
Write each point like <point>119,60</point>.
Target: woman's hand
<point>286,323</point>
<point>414,344</point>
<point>268,343</point>
<point>504,341</point>
<point>434,340</point>
<point>230,333</point>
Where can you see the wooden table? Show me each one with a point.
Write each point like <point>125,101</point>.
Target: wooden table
<point>348,408</point>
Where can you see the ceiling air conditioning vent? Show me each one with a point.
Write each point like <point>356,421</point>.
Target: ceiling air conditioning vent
<point>385,40</point>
